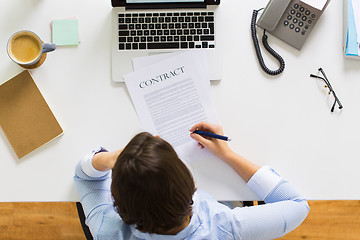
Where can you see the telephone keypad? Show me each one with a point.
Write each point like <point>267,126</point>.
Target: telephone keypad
<point>301,18</point>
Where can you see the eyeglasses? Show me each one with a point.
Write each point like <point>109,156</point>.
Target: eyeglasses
<point>331,90</point>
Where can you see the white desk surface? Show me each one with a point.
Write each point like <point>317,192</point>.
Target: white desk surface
<point>283,121</point>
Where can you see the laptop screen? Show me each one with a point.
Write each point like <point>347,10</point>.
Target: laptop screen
<point>163,3</point>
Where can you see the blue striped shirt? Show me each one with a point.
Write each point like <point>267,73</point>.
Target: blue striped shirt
<point>285,209</point>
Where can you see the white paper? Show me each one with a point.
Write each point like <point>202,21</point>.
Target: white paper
<point>319,4</point>
<point>145,61</point>
<point>172,95</point>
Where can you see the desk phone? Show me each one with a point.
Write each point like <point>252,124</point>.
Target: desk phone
<point>290,20</point>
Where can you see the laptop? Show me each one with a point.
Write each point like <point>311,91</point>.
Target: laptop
<point>146,27</point>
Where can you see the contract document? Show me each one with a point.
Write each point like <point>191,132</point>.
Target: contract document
<point>170,96</point>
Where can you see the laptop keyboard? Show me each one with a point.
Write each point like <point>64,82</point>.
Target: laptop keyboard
<point>186,30</point>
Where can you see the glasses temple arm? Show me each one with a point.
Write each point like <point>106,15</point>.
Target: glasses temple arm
<point>337,100</point>
<point>325,80</point>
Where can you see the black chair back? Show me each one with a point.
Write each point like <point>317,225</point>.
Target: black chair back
<point>85,228</point>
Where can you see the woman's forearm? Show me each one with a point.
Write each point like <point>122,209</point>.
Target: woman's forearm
<point>104,161</point>
<point>243,167</point>
<point>221,149</point>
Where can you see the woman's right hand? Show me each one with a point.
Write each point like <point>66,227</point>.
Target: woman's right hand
<point>217,147</point>
<point>221,149</point>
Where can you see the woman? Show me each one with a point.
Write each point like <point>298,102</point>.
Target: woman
<point>152,194</point>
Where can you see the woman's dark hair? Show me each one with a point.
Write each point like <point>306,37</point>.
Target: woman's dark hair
<point>151,186</point>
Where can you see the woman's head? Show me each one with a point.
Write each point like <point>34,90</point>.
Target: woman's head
<point>151,186</point>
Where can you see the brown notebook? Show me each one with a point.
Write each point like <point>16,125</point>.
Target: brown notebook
<point>25,117</point>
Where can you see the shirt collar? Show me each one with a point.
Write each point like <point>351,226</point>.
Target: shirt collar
<point>193,225</point>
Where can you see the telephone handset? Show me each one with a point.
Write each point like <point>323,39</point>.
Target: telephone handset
<point>272,13</point>
<point>289,20</point>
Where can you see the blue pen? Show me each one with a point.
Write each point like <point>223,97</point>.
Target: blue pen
<point>212,135</point>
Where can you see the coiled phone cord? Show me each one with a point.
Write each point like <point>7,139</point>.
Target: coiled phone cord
<point>267,47</point>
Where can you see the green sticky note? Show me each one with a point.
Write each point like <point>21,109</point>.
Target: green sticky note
<point>65,32</point>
